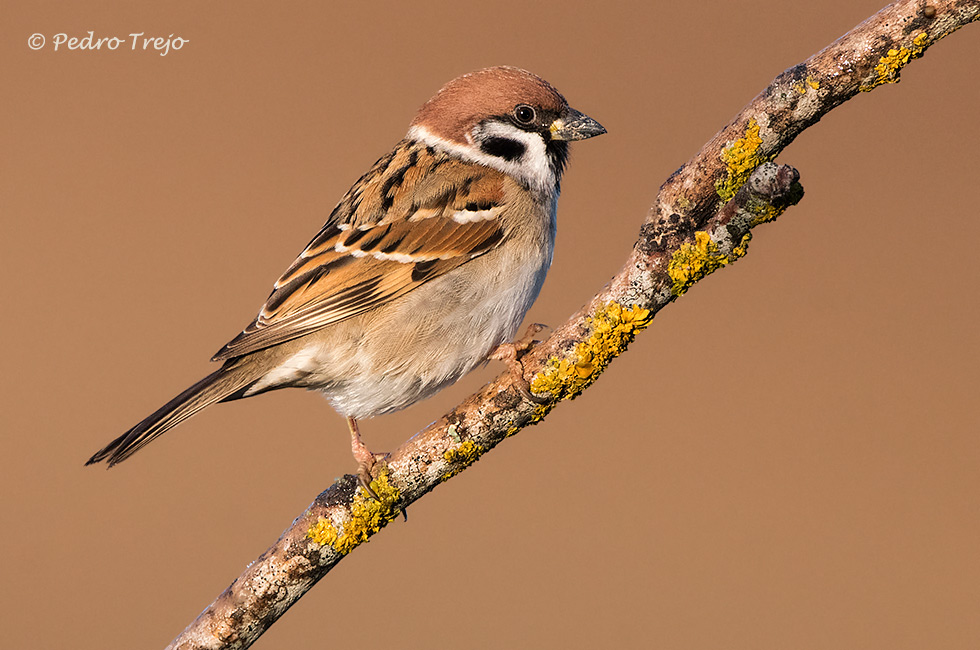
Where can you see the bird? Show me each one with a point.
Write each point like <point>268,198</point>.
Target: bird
<point>423,271</point>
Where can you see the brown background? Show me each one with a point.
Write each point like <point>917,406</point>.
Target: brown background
<point>787,459</point>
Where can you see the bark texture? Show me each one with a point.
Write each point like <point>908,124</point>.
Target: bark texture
<point>700,222</point>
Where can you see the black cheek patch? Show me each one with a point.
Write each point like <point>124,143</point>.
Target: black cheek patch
<point>503,148</point>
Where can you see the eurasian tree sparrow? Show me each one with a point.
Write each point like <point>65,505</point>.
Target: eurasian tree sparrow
<point>424,269</point>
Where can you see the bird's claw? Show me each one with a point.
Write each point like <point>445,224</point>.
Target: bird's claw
<point>510,354</point>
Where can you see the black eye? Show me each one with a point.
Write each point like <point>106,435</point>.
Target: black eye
<point>524,114</point>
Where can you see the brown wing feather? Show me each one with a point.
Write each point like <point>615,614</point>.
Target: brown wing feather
<point>415,216</point>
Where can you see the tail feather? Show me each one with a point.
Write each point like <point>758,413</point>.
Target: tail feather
<point>219,386</point>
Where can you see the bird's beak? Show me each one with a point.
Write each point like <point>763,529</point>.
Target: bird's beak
<point>575,126</point>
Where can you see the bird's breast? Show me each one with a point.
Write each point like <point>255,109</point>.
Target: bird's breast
<point>411,348</point>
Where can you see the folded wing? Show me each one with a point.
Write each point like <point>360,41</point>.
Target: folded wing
<point>414,216</point>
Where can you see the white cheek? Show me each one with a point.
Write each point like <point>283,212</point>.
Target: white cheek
<point>533,167</point>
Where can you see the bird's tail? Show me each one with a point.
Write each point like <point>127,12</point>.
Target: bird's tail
<point>225,384</point>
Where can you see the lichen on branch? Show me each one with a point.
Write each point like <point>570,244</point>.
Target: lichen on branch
<point>699,223</point>
<point>610,330</point>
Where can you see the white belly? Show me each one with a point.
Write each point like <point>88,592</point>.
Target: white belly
<point>426,340</point>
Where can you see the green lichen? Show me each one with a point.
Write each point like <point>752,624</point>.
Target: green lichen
<point>453,432</point>
<point>741,158</point>
<point>695,261</point>
<point>889,66</point>
<point>613,328</point>
<point>367,516</point>
<point>462,457</point>
<point>763,211</point>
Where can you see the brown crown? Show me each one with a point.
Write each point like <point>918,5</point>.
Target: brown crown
<point>473,97</point>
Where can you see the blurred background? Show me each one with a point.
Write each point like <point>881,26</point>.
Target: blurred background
<point>788,457</point>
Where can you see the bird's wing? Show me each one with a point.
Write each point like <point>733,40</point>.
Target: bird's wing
<point>413,217</point>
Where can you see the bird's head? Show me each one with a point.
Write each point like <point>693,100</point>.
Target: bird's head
<point>508,119</point>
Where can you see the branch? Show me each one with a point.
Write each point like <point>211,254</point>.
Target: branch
<point>700,222</point>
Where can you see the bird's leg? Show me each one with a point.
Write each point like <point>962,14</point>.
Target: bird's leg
<point>365,459</point>
<point>510,354</point>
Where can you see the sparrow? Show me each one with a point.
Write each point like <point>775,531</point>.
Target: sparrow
<point>423,271</point>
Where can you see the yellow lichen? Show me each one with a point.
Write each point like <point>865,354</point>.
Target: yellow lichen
<point>741,157</point>
<point>889,66</point>
<point>539,412</point>
<point>694,261</point>
<point>367,516</point>
<point>463,456</point>
<point>743,246</point>
<point>801,85</point>
<point>322,532</point>
<point>613,328</point>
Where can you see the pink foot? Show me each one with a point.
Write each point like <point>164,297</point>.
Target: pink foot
<point>365,459</point>
<point>510,354</point>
